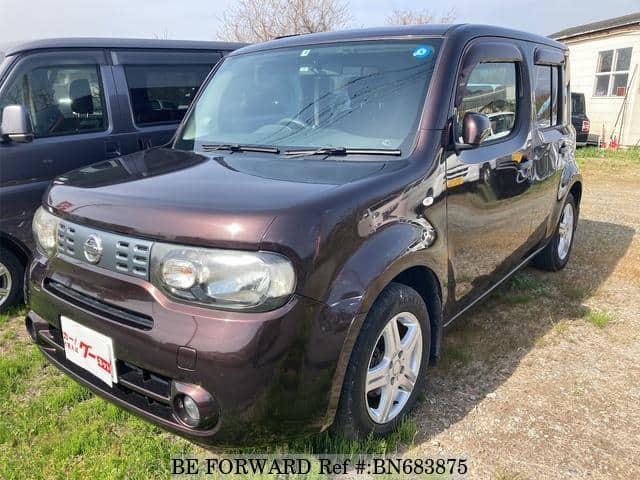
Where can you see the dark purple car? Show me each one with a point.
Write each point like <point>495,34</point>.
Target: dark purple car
<point>329,203</point>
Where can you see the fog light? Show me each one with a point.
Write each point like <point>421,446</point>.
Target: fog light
<point>187,410</point>
<point>193,406</point>
<point>190,408</point>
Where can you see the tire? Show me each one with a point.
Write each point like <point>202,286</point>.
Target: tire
<point>11,280</point>
<point>400,306</point>
<point>555,255</point>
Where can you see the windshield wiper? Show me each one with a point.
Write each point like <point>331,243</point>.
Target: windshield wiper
<point>236,147</point>
<point>330,151</point>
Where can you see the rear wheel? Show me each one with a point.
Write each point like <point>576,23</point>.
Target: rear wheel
<point>387,368</point>
<point>555,255</point>
<point>11,277</point>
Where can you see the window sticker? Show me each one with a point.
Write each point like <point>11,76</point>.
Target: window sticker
<point>422,51</point>
<point>304,53</point>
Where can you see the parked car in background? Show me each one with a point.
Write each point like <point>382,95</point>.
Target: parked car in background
<point>87,100</point>
<point>289,262</point>
<point>579,118</point>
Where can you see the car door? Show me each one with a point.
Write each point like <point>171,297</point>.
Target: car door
<point>66,96</point>
<point>488,186</point>
<point>155,88</point>
<point>552,139</point>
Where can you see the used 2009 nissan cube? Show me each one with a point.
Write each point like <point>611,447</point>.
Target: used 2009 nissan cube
<point>329,203</point>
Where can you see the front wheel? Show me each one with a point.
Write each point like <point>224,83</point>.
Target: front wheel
<point>11,277</point>
<point>388,364</point>
<point>555,255</point>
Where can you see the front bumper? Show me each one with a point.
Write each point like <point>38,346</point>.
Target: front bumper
<point>271,374</point>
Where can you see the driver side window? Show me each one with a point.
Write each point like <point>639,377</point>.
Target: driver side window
<point>492,91</point>
<point>61,100</point>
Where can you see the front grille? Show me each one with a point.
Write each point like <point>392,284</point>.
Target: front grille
<point>93,305</point>
<point>146,390</point>
<point>132,257</point>
<point>66,239</point>
<point>145,382</point>
<point>120,253</point>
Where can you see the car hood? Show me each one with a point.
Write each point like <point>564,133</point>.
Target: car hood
<point>223,199</point>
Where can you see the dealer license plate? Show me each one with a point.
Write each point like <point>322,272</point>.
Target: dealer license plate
<point>90,350</point>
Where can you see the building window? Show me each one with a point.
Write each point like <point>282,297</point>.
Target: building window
<point>612,73</point>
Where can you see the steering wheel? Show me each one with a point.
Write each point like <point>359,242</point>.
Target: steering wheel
<point>287,121</point>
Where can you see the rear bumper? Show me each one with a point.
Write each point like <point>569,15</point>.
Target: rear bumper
<point>581,138</point>
<point>271,374</point>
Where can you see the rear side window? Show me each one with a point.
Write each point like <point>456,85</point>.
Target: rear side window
<point>161,94</point>
<point>492,90</point>
<point>61,100</point>
<point>547,99</point>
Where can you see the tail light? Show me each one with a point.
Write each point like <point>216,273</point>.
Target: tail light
<point>585,126</point>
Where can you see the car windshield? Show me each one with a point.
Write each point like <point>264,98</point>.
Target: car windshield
<point>352,95</point>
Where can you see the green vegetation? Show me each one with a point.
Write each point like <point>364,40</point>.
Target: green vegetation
<point>599,318</point>
<point>452,353</point>
<point>614,157</point>
<point>51,427</point>
<point>522,288</point>
<point>13,312</point>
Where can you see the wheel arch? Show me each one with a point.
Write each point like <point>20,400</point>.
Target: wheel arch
<point>424,280</point>
<point>576,191</point>
<point>411,270</point>
<point>15,246</point>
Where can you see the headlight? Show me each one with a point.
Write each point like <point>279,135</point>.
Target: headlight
<point>227,279</point>
<point>45,231</point>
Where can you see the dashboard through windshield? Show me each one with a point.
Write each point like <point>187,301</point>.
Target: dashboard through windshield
<point>351,95</point>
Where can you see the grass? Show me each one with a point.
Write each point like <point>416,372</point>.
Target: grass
<point>13,312</point>
<point>452,353</point>
<point>522,288</point>
<point>615,157</point>
<point>60,429</point>
<point>599,318</point>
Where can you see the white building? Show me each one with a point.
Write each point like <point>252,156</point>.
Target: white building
<point>604,65</point>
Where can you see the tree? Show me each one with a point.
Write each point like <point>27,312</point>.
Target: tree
<point>260,20</point>
<point>418,17</point>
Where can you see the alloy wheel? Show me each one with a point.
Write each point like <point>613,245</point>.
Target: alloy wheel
<point>5,283</point>
<point>393,368</point>
<point>565,231</point>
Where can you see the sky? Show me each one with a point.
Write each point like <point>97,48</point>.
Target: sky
<point>199,19</point>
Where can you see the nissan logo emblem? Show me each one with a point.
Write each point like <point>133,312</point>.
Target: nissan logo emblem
<point>93,248</point>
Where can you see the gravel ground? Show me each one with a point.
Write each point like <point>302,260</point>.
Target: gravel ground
<point>545,384</point>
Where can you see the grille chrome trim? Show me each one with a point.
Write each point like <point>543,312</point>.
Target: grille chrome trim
<point>121,253</point>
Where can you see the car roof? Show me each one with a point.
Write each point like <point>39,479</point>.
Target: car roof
<point>436,30</point>
<point>57,43</point>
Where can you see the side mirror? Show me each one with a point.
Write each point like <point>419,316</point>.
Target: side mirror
<point>16,124</point>
<point>476,127</point>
